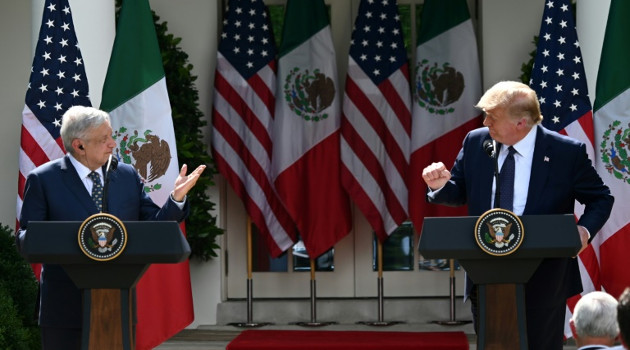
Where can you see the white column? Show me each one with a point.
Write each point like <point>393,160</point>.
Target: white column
<point>94,22</point>
<point>591,18</point>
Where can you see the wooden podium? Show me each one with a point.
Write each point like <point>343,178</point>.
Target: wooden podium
<point>501,279</point>
<point>107,286</point>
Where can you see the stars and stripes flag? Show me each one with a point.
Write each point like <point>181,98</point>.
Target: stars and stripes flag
<point>560,83</point>
<point>376,120</point>
<point>57,82</point>
<point>243,115</point>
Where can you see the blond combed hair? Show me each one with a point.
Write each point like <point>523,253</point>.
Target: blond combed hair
<point>517,99</point>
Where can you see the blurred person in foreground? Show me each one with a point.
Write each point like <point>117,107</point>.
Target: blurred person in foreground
<point>594,321</point>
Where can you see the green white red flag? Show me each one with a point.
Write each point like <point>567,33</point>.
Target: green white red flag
<point>306,160</point>
<point>137,100</point>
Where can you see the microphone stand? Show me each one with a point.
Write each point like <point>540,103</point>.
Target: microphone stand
<point>111,165</point>
<point>497,195</point>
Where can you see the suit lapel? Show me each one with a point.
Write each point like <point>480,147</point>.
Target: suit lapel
<point>75,186</point>
<point>540,170</point>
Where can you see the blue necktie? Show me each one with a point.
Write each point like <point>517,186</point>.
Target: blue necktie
<point>97,190</point>
<point>506,179</point>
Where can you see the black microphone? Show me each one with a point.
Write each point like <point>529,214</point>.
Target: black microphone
<point>112,164</point>
<point>490,148</point>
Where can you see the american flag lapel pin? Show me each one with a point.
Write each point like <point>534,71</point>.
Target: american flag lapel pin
<point>546,159</point>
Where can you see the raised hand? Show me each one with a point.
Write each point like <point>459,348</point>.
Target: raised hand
<point>184,182</point>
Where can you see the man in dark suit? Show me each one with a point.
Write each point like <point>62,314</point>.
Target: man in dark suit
<point>60,190</point>
<point>551,172</point>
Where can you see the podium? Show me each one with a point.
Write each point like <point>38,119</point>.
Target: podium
<point>107,286</point>
<point>501,279</point>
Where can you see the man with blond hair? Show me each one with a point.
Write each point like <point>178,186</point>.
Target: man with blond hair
<point>548,173</point>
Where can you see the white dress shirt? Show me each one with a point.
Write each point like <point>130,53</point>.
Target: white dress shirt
<point>522,169</point>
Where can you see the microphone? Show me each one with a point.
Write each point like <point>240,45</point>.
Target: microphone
<point>112,164</point>
<point>489,146</point>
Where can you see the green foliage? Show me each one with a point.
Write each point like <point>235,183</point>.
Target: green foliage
<point>18,295</point>
<point>526,68</point>
<point>201,229</point>
<point>188,120</point>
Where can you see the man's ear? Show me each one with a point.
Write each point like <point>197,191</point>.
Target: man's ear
<point>77,146</point>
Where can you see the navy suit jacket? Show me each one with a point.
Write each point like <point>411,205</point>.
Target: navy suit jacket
<point>54,192</point>
<point>561,174</point>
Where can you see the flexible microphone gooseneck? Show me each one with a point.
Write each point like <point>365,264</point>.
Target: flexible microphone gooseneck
<point>489,146</point>
<point>112,164</point>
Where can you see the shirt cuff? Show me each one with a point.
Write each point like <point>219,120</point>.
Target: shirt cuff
<point>180,205</point>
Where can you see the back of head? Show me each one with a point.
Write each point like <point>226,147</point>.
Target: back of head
<point>77,121</point>
<point>623,316</point>
<point>518,99</point>
<point>595,316</point>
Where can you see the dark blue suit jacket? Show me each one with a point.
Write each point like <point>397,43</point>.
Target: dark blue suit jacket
<point>54,192</point>
<point>561,173</point>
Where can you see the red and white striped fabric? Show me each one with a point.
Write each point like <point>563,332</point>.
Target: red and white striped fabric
<point>376,120</point>
<point>57,82</point>
<point>563,95</point>
<point>242,119</point>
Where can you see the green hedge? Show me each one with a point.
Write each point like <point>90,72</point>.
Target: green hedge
<point>18,297</point>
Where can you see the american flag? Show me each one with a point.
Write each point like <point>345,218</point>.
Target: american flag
<point>560,83</point>
<point>57,82</point>
<point>244,100</point>
<point>376,122</point>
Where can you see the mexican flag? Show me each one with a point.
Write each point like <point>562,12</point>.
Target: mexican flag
<point>447,87</point>
<point>135,95</point>
<point>306,155</point>
<point>612,127</point>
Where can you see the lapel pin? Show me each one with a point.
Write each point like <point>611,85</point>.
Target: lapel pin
<point>546,159</point>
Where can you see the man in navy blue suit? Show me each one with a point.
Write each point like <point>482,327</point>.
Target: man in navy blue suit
<point>60,190</point>
<point>551,172</point>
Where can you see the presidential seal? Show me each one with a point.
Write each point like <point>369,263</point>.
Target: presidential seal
<point>499,232</point>
<point>102,237</point>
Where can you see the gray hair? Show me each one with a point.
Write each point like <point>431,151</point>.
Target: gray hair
<point>78,121</point>
<point>595,315</point>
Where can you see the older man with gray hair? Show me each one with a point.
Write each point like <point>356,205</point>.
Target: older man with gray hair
<point>594,322</point>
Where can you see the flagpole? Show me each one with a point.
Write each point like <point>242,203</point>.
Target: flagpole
<point>452,321</point>
<point>250,322</point>
<point>313,322</point>
<point>379,281</point>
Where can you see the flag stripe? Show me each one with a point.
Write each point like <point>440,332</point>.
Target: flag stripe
<point>392,89</point>
<point>259,200</point>
<point>243,110</point>
<point>372,116</point>
<point>244,103</point>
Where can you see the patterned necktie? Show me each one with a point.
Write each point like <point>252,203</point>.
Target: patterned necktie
<point>506,179</point>
<point>97,190</point>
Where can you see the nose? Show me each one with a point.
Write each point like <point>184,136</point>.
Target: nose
<point>486,121</point>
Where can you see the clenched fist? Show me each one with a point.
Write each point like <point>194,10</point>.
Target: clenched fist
<point>436,175</point>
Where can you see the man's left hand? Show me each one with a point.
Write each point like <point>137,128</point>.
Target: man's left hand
<point>584,237</point>
<point>184,182</point>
